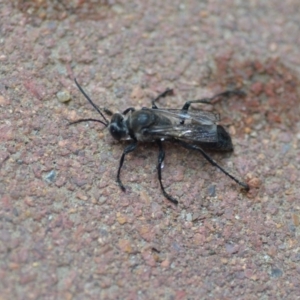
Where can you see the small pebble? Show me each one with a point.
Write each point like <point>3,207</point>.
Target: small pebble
<point>276,273</point>
<point>212,190</point>
<point>63,96</point>
<point>189,217</point>
<point>50,177</point>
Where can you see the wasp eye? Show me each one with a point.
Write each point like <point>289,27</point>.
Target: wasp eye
<point>115,131</point>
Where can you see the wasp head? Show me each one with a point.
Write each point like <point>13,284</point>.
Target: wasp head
<point>117,127</point>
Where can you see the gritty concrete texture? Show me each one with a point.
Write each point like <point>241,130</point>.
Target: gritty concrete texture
<point>66,229</point>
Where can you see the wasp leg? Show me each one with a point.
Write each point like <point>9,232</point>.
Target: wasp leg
<point>127,110</point>
<point>214,163</point>
<point>128,149</point>
<point>167,92</point>
<point>225,94</point>
<point>161,157</point>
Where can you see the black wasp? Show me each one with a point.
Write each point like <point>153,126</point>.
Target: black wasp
<point>192,130</point>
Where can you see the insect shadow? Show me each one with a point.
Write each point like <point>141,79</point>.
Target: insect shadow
<point>195,130</point>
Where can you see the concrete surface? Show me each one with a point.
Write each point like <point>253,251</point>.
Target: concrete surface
<point>67,231</point>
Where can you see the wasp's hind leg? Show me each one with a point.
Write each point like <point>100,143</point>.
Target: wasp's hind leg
<point>127,150</point>
<point>161,157</point>
<point>167,92</point>
<point>212,162</point>
<point>225,94</point>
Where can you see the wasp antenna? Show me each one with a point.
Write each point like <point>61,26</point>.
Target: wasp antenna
<point>94,105</point>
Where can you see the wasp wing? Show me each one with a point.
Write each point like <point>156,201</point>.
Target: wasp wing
<point>186,132</point>
<point>196,116</point>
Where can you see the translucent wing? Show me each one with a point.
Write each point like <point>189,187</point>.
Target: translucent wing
<point>195,116</point>
<point>190,132</point>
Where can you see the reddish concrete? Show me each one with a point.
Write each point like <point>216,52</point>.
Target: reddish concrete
<point>68,232</point>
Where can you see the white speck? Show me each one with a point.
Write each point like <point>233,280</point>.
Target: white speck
<point>162,165</point>
<point>183,214</point>
<point>267,258</point>
<point>273,47</point>
<point>162,139</point>
<point>188,131</point>
<point>253,134</point>
<point>189,217</point>
<point>118,9</point>
<point>50,177</point>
